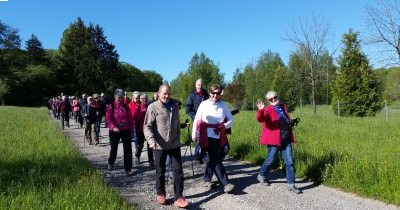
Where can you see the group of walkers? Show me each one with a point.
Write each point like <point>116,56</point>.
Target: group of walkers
<point>88,112</point>
<point>158,122</point>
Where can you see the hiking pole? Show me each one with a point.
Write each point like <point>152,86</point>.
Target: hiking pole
<point>84,139</point>
<point>190,146</point>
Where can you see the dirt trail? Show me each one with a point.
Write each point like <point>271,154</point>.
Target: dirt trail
<point>248,194</point>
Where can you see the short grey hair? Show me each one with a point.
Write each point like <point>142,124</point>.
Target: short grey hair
<point>136,93</point>
<point>271,94</point>
<point>143,96</point>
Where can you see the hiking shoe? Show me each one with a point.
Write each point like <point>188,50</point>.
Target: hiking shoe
<point>161,199</point>
<point>229,188</point>
<point>130,172</point>
<point>110,166</point>
<point>294,189</point>
<point>207,185</point>
<point>262,180</point>
<point>181,203</point>
<point>97,143</point>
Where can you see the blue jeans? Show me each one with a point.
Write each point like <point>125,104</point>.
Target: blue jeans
<point>286,151</point>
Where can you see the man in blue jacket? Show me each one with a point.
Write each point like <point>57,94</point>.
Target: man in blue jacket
<point>192,104</point>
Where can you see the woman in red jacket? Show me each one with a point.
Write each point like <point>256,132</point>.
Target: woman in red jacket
<point>277,134</point>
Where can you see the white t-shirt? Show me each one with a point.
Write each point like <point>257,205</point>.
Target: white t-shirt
<point>212,113</point>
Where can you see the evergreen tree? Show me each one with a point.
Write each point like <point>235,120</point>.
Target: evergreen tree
<point>88,62</point>
<point>107,62</point>
<point>35,52</point>
<point>356,86</point>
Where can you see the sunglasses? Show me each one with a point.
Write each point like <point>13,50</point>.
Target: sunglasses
<point>216,93</point>
<point>273,98</point>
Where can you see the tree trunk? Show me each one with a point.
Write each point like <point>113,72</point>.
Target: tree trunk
<point>313,90</point>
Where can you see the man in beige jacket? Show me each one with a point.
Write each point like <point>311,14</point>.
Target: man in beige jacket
<point>162,130</point>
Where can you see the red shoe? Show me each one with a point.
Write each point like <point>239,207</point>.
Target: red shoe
<point>181,203</point>
<point>161,199</point>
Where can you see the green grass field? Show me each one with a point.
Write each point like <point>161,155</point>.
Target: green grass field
<point>41,169</point>
<point>360,155</point>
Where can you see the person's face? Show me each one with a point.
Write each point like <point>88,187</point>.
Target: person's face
<point>119,98</point>
<point>198,86</point>
<point>274,100</point>
<point>136,99</point>
<point>215,95</point>
<point>164,94</point>
<point>143,100</point>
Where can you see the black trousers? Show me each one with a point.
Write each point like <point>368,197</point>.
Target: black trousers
<point>160,156</point>
<point>214,163</point>
<point>140,146</point>
<point>125,136</point>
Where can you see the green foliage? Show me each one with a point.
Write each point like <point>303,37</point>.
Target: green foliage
<point>35,52</point>
<point>88,62</point>
<point>257,79</point>
<point>356,86</point>
<point>234,93</point>
<point>354,154</point>
<point>9,38</point>
<point>152,80</point>
<point>391,84</point>
<point>199,67</point>
<point>137,80</point>
<point>41,169</point>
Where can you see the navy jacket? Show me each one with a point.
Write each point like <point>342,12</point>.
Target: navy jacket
<point>193,102</point>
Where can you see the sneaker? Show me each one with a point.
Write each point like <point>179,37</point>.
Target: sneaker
<point>294,189</point>
<point>161,199</point>
<point>207,185</point>
<point>110,166</point>
<point>262,180</point>
<point>181,203</point>
<point>130,173</point>
<point>228,188</point>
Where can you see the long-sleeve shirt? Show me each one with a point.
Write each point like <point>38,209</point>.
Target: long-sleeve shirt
<point>212,113</point>
<point>193,102</point>
<point>120,117</point>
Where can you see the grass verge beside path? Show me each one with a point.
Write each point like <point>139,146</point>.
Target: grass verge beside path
<point>41,169</point>
<point>359,155</point>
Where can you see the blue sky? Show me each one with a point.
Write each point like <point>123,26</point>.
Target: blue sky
<point>164,35</point>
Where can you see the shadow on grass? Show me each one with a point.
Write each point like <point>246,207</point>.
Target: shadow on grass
<point>318,168</point>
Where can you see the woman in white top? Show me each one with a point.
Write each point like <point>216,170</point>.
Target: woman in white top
<point>212,118</point>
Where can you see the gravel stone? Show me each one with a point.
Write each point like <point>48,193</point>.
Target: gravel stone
<point>248,194</point>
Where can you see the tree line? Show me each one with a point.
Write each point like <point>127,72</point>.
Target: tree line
<point>85,62</point>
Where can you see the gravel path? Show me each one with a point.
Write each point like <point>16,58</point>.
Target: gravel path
<point>248,194</point>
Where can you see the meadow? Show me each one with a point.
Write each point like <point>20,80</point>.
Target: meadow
<point>41,169</point>
<point>359,155</point>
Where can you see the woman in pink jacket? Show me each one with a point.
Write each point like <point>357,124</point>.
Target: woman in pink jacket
<point>276,133</point>
<point>75,105</point>
<point>120,124</point>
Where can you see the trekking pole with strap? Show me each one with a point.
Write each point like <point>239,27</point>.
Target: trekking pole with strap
<point>190,146</point>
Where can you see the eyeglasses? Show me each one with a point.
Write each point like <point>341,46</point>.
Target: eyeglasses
<point>273,98</point>
<point>216,93</point>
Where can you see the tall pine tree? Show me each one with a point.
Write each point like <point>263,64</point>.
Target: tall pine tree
<point>35,52</point>
<point>356,87</point>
